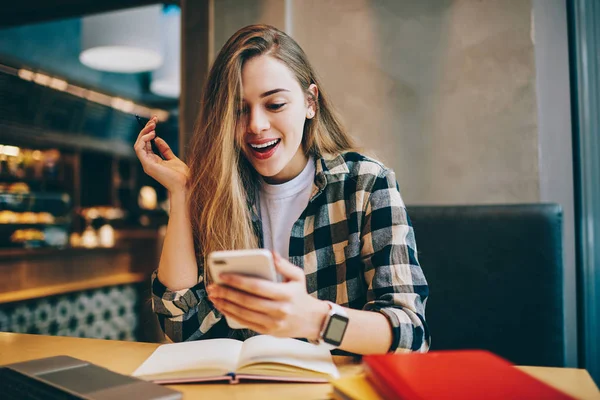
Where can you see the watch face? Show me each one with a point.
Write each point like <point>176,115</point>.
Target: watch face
<point>334,333</point>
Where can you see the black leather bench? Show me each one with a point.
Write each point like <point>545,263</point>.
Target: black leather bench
<point>496,279</point>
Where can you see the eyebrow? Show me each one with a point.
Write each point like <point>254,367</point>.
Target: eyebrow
<point>270,92</point>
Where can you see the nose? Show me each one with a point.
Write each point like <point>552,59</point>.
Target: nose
<point>258,121</point>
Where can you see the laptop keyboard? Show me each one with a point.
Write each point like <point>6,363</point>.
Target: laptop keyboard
<point>14,385</point>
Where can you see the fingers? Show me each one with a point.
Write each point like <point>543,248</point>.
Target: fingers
<point>164,149</point>
<point>150,126</point>
<point>144,140</point>
<point>253,320</point>
<point>256,286</point>
<point>142,146</point>
<point>251,302</point>
<point>288,270</point>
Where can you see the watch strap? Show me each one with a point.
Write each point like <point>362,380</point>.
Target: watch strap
<point>334,309</point>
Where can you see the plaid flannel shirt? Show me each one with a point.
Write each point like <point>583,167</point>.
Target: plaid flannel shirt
<point>356,246</point>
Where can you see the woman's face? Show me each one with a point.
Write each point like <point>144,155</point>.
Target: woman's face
<point>274,111</point>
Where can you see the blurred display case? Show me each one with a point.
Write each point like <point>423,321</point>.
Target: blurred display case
<point>71,197</point>
<point>35,204</point>
<point>34,219</point>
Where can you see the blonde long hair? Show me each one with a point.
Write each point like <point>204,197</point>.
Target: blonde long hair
<point>221,180</point>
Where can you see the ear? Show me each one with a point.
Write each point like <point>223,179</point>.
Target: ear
<point>312,94</point>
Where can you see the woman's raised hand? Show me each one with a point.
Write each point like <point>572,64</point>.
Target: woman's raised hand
<point>171,172</point>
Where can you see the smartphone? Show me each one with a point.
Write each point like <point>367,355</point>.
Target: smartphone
<point>152,144</point>
<point>254,262</point>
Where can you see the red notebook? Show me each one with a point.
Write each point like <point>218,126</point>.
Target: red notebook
<point>463,374</point>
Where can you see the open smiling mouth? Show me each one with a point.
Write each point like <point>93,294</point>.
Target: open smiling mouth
<point>265,150</point>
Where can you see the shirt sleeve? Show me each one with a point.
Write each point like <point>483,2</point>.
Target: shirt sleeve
<point>186,314</point>
<point>396,285</point>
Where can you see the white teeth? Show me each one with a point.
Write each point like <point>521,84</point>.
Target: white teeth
<point>260,146</point>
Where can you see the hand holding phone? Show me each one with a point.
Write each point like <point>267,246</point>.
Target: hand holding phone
<point>254,262</point>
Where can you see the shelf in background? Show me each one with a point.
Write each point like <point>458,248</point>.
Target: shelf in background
<point>34,136</point>
<point>58,196</point>
<point>45,291</point>
<point>44,252</point>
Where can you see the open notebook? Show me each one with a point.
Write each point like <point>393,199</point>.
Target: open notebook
<point>258,358</point>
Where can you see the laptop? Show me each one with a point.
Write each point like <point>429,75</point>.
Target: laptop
<point>76,379</point>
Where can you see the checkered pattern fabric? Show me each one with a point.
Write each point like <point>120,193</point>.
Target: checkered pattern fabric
<point>356,246</point>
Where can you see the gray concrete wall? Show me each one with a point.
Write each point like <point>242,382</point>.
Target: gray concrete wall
<point>443,91</point>
<point>231,15</point>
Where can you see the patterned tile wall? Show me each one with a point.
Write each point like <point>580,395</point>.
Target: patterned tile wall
<point>107,313</point>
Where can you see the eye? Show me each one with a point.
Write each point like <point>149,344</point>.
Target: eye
<point>276,106</point>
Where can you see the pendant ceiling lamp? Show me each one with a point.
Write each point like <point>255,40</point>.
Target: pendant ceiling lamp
<point>166,80</point>
<point>122,41</point>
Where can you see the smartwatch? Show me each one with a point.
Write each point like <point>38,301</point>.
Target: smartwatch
<point>334,327</point>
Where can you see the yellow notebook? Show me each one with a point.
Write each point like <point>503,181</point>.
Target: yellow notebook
<point>258,358</point>
<point>355,387</point>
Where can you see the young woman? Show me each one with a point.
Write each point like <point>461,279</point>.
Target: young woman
<point>271,166</point>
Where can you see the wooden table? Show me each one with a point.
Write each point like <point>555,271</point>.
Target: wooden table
<point>125,357</point>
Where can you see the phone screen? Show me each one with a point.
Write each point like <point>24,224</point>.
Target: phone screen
<point>257,264</point>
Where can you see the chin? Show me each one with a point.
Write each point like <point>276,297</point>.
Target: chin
<point>267,172</point>
<point>265,168</point>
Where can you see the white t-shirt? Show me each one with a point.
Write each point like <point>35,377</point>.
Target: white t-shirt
<point>281,206</point>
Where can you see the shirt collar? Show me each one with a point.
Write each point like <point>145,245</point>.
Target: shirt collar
<point>327,167</point>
